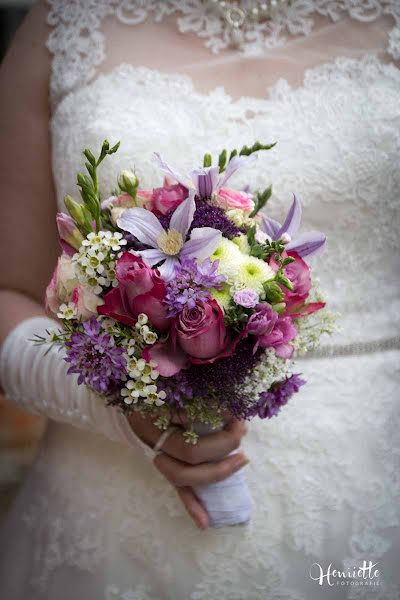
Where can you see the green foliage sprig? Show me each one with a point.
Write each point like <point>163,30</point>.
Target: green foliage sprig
<point>89,210</point>
<point>223,159</point>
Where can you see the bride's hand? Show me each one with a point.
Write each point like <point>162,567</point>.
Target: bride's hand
<point>187,465</point>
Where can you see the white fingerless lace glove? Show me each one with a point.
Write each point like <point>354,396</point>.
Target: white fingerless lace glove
<point>35,378</point>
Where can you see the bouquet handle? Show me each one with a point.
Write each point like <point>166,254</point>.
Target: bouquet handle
<point>227,502</point>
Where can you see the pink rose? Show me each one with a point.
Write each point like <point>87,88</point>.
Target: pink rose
<point>168,198</point>
<point>299,273</point>
<point>228,198</point>
<point>200,331</point>
<point>271,330</point>
<point>140,290</point>
<point>198,335</point>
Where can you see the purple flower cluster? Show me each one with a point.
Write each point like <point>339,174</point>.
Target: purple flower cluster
<point>271,402</point>
<point>94,356</point>
<point>177,388</point>
<point>219,379</point>
<point>190,284</point>
<point>207,215</point>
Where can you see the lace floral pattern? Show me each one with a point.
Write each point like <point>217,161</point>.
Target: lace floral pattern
<point>78,45</point>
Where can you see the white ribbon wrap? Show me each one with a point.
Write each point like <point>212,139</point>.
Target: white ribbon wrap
<point>227,502</point>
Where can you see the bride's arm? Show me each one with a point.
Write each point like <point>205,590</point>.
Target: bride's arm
<point>28,250</point>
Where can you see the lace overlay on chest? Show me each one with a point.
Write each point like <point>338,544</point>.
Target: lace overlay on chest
<point>79,46</point>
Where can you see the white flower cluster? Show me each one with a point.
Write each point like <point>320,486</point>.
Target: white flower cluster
<point>141,383</point>
<point>96,258</point>
<point>240,270</point>
<point>67,311</point>
<point>270,369</point>
<point>149,336</point>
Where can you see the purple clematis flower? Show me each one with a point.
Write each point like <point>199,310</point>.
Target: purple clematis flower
<point>206,181</point>
<point>306,244</point>
<point>168,246</point>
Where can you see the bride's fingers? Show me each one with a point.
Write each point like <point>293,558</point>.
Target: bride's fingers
<point>182,475</point>
<point>193,506</point>
<point>210,447</point>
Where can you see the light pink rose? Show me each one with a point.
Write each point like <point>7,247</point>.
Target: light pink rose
<point>140,290</point>
<point>62,284</point>
<point>86,302</point>
<point>228,198</point>
<point>167,198</point>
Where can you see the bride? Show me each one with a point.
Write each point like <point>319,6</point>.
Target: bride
<point>102,514</point>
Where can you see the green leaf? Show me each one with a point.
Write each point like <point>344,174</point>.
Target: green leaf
<point>222,160</point>
<point>261,200</point>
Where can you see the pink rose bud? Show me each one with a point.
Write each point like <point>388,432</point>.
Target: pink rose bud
<point>68,231</point>
<point>168,198</point>
<point>286,238</point>
<point>262,237</point>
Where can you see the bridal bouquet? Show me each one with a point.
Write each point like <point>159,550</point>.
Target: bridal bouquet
<point>185,298</point>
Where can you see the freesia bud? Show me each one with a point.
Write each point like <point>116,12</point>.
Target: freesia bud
<point>286,238</point>
<point>128,182</point>
<point>68,231</point>
<point>75,210</point>
<point>79,213</point>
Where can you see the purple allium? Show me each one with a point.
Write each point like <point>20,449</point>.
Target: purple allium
<point>94,356</point>
<point>247,298</point>
<point>272,401</point>
<point>207,215</point>
<point>190,284</point>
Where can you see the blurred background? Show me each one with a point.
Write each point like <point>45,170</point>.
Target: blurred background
<point>19,432</point>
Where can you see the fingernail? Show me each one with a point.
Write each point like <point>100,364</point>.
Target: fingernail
<point>241,460</point>
<point>200,524</point>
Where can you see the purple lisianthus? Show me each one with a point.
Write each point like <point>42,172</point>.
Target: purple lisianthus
<point>94,356</point>
<point>192,283</point>
<point>246,298</point>
<point>271,402</point>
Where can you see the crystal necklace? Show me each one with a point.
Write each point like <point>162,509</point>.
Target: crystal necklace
<point>235,14</point>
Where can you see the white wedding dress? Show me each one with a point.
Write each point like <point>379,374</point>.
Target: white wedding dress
<point>94,519</point>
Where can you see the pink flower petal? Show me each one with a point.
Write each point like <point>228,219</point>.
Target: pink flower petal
<point>170,360</point>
